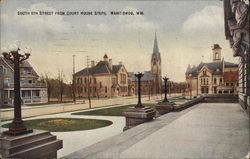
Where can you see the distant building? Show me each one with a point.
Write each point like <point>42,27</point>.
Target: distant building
<point>103,80</point>
<point>32,90</point>
<point>151,82</point>
<point>214,77</point>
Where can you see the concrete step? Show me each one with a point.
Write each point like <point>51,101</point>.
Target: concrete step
<point>40,151</point>
<point>11,141</point>
<point>28,144</point>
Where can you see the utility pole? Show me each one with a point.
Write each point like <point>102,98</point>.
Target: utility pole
<point>73,82</point>
<point>88,87</point>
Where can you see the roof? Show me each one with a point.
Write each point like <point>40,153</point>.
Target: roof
<point>214,66</point>
<point>216,46</point>
<point>156,49</point>
<point>231,76</point>
<point>105,56</point>
<point>100,68</point>
<point>24,64</point>
<point>148,76</point>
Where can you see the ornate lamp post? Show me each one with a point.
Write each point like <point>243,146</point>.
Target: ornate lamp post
<point>17,127</point>
<point>165,91</point>
<point>139,75</point>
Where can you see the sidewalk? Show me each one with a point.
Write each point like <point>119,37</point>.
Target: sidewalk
<point>31,111</point>
<point>204,131</point>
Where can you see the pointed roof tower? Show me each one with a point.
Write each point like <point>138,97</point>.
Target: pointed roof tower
<point>156,49</point>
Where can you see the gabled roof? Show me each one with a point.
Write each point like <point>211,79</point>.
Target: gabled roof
<point>212,66</point>
<point>100,68</point>
<point>24,64</point>
<point>148,76</point>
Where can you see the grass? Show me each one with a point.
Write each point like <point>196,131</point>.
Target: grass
<point>64,124</point>
<point>6,106</point>
<point>48,103</point>
<point>115,111</point>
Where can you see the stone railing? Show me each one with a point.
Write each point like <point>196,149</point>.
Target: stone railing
<point>209,98</point>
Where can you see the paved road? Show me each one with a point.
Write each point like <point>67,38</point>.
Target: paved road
<point>205,131</point>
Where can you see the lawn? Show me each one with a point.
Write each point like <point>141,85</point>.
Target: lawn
<point>114,111</point>
<point>6,106</point>
<point>64,124</point>
<point>48,103</point>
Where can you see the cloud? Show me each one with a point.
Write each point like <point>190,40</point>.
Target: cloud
<point>124,23</point>
<point>36,24</point>
<point>209,19</point>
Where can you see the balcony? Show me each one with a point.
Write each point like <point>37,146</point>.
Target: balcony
<point>26,85</point>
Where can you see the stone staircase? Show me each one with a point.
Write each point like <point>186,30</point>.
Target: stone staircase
<point>39,144</point>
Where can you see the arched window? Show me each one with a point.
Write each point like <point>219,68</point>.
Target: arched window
<point>216,55</point>
<point>215,80</point>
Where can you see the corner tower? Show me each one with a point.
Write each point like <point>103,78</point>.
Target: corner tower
<point>156,66</point>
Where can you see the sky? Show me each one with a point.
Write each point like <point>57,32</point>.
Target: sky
<point>186,31</point>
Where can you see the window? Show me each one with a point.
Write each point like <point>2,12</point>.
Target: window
<point>85,89</point>
<point>220,80</point>
<point>23,93</point>
<point>227,84</point>
<point>94,79</point>
<point>232,84</point>
<point>100,84</point>
<point>36,93</point>
<point>106,89</point>
<point>85,80</point>
<point>204,72</point>
<point>90,80</point>
<point>216,55</point>
<point>94,89</point>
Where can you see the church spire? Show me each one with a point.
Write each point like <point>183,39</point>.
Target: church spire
<point>156,49</point>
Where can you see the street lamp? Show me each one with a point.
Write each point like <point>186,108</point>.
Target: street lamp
<point>17,127</point>
<point>165,91</point>
<point>139,75</point>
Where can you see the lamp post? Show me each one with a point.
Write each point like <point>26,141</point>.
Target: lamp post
<point>139,75</point>
<point>16,127</point>
<point>165,91</point>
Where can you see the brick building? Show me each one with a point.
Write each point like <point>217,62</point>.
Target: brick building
<point>214,77</point>
<point>103,80</point>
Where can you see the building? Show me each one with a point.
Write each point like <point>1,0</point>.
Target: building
<point>32,90</point>
<point>236,17</point>
<point>103,80</point>
<point>214,77</point>
<point>151,82</point>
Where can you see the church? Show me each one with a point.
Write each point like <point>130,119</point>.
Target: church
<point>151,82</point>
<point>216,77</point>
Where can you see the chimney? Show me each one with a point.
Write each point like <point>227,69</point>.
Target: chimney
<point>120,63</point>
<point>110,64</point>
<point>92,63</point>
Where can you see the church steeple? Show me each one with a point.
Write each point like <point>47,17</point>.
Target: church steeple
<point>156,49</point>
<point>156,66</point>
